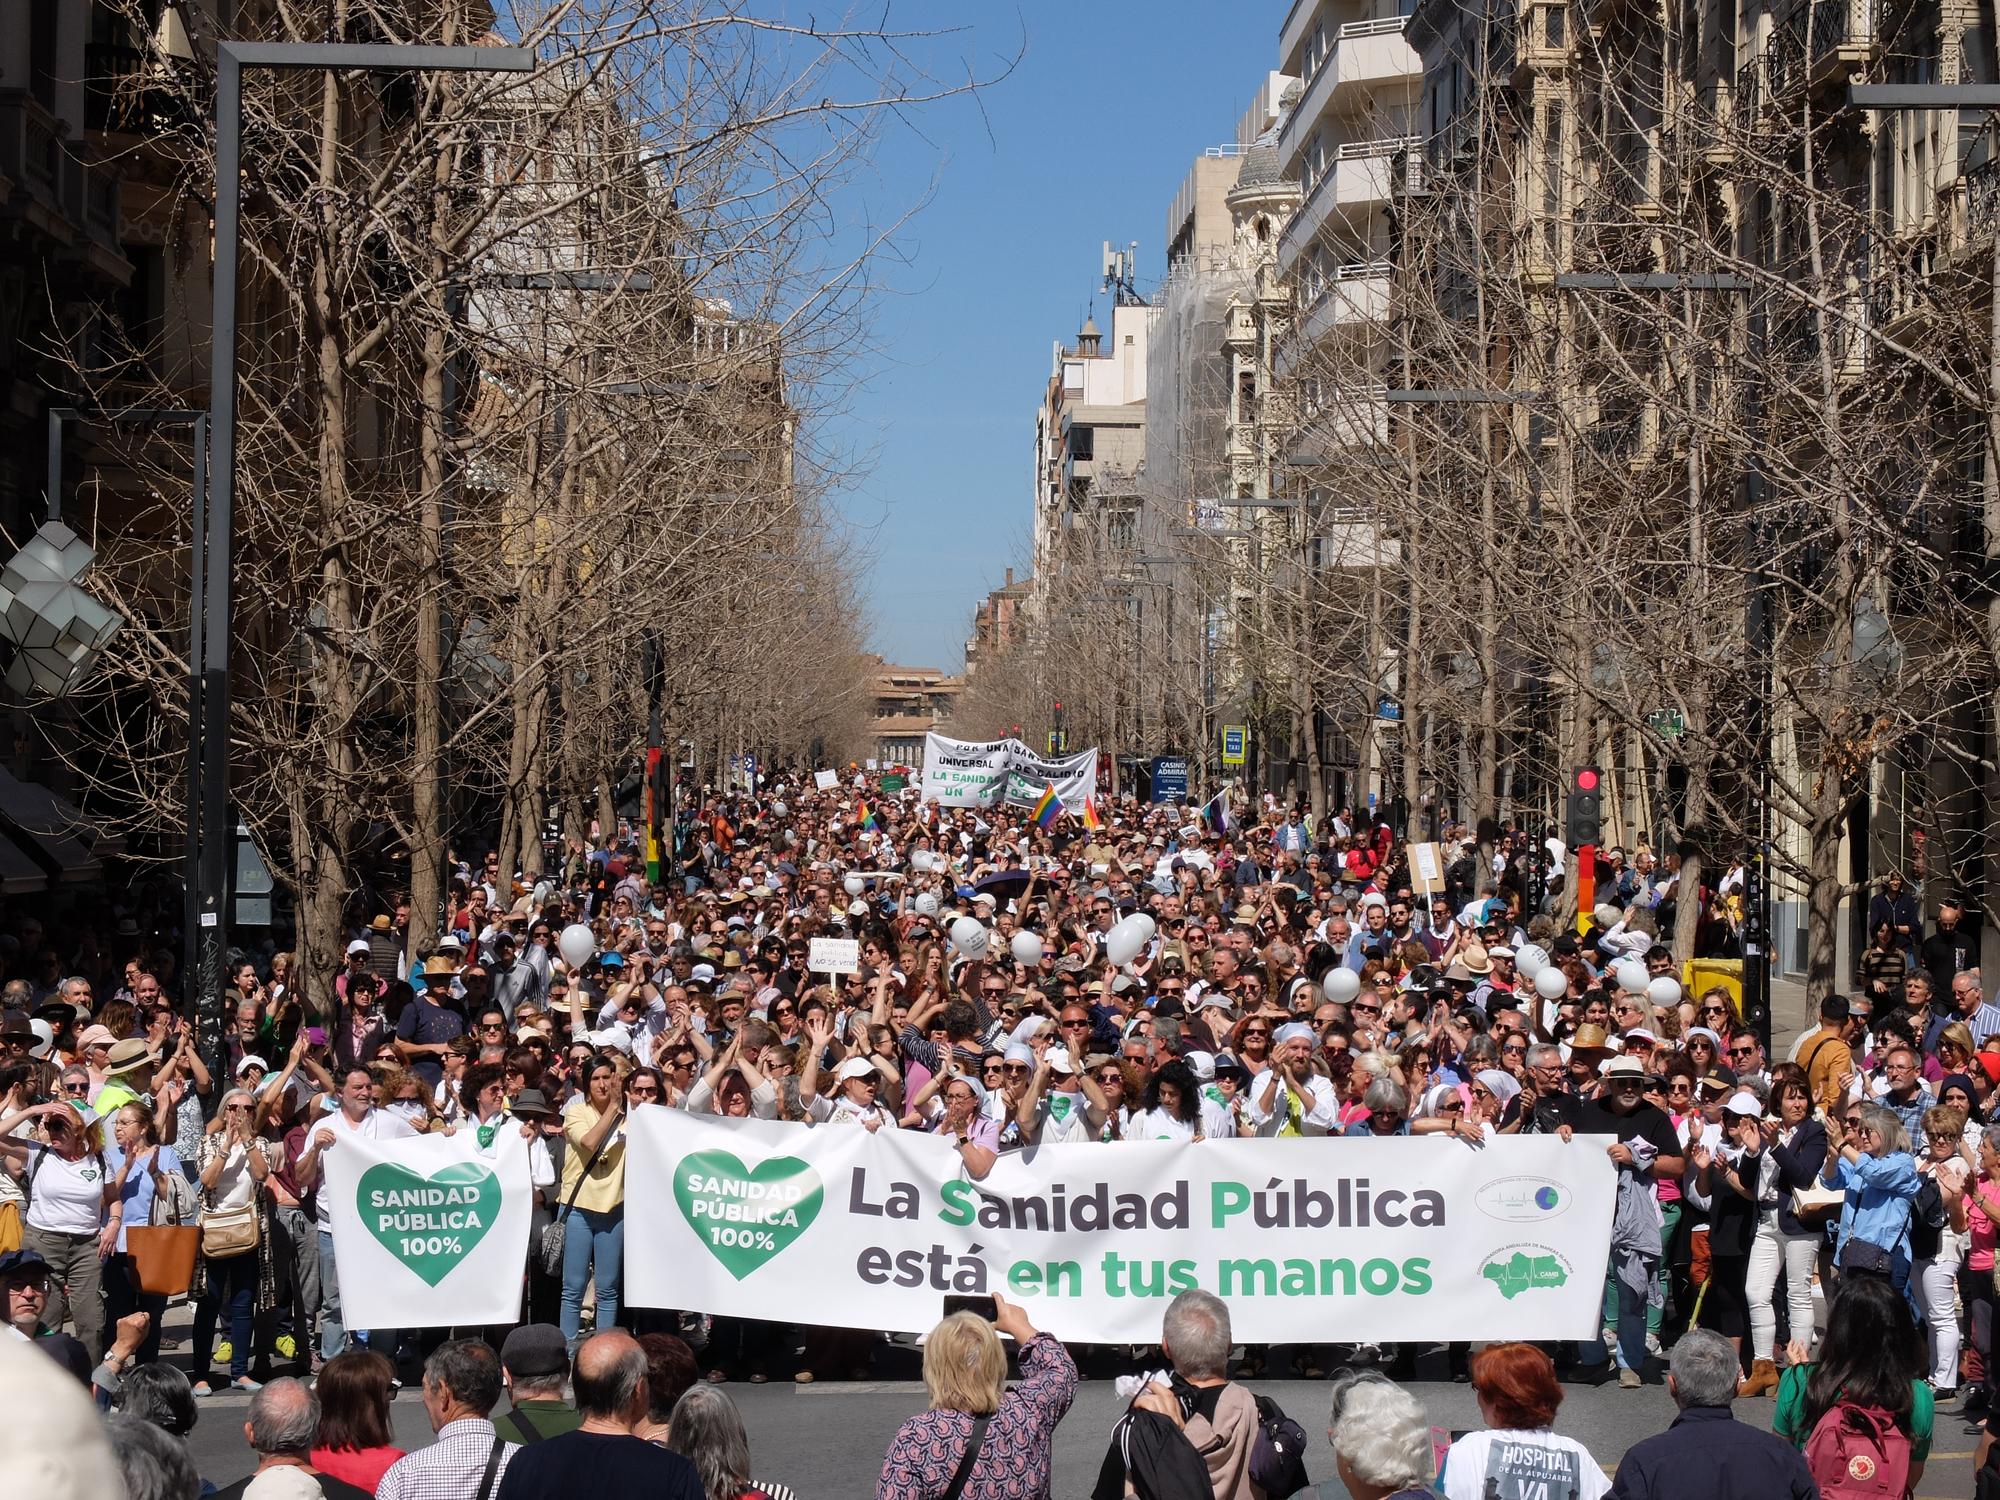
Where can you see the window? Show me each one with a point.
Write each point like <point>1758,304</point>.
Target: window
<point>1083,442</point>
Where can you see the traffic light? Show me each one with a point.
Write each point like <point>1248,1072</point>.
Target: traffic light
<point>1586,810</point>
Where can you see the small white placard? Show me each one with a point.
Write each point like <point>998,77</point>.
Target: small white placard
<point>834,956</point>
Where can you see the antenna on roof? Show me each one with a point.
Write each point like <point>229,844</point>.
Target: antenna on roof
<point>1119,266</point>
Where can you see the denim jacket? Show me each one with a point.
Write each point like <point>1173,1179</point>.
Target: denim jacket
<point>1879,1190</point>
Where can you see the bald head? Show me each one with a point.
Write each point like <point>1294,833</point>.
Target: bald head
<point>610,1379</point>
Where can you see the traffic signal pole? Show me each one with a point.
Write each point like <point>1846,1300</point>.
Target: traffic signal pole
<point>1584,823</point>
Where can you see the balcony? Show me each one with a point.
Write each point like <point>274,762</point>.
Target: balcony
<point>1361,178</point>
<point>1355,299</point>
<point>1366,57</point>
<point>1844,36</point>
<point>46,193</point>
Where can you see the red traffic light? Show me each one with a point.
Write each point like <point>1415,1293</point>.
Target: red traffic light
<point>1586,779</point>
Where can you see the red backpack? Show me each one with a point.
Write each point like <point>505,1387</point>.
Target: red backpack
<point>1859,1453</point>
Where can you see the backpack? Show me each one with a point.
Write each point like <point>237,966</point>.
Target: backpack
<point>1859,1453</point>
<point>1278,1456</point>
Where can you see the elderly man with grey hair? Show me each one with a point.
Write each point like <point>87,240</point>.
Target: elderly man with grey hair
<point>1217,1417</point>
<point>283,1423</point>
<point>1707,1454</point>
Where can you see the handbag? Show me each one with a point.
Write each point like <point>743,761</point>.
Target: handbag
<point>549,1250</point>
<point>1862,1255</point>
<point>163,1252</point>
<point>1815,1205</point>
<point>229,1232</point>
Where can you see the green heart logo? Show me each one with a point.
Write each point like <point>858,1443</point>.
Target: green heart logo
<point>744,1215</point>
<point>429,1223</point>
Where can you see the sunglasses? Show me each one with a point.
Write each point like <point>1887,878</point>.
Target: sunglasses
<point>76,1088</point>
<point>1110,1077</point>
<point>1742,1051</point>
<point>1452,1107</point>
<point>1517,1050</point>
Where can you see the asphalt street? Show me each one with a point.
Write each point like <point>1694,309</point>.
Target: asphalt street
<point>826,1440</point>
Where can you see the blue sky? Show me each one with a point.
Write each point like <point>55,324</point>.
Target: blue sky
<point>1086,141</point>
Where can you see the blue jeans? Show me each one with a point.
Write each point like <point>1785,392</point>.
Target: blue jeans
<point>592,1238</point>
<point>332,1333</point>
<point>231,1293</point>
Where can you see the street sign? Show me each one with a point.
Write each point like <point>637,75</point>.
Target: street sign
<point>1667,723</point>
<point>1235,744</point>
<point>1170,778</point>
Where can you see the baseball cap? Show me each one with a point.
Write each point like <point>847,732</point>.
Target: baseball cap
<point>854,1067</point>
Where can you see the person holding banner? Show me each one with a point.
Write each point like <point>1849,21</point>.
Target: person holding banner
<point>356,1116</point>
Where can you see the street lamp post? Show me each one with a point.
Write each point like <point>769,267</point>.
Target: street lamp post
<point>211,732</point>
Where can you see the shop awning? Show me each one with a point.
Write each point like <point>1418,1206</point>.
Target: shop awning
<point>51,831</point>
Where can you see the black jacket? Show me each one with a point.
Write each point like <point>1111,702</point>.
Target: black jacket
<point>1799,1166</point>
<point>1159,1460</point>
<point>1708,1455</point>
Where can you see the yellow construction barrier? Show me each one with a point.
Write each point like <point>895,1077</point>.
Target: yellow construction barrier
<point>1699,974</point>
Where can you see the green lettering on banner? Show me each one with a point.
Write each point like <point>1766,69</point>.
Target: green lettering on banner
<point>431,1223</point>
<point>746,1215</point>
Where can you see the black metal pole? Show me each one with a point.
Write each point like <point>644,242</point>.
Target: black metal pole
<point>1759,628</point>
<point>231,58</point>
<point>213,547</point>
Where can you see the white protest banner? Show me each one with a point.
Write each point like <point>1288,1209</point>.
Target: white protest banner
<point>1308,1239</point>
<point>974,773</point>
<point>826,781</point>
<point>430,1231</point>
<point>834,956</point>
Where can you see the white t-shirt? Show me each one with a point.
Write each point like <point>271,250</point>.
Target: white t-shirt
<point>1061,1119</point>
<point>1522,1466</point>
<point>1158,1125</point>
<point>844,1111</point>
<point>376,1125</point>
<point>68,1196</point>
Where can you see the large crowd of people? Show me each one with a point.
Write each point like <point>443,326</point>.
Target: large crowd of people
<point>1294,977</point>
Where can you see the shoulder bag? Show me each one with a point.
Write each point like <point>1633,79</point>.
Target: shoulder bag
<point>973,1443</point>
<point>549,1249</point>
<point>230,1232</point>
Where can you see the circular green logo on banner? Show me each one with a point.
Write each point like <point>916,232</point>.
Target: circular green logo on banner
<point>746,1215</point>
<point>429,1223</point>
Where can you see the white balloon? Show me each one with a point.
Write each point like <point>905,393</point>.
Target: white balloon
<point>1631,976</point>
<point>780,809</point>
<point>1027,949</point>
<point>1666,990</point>
<point>921,861</point>
<point>576,944</point>
<point>1129,938</point>
<point>1341,984</point>
<point>927,904</point>
<point>1551,983</point>
<point>968,936</point>
<point>1530,960</point>
<point>854,885</point>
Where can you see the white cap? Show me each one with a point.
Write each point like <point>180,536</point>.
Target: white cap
<point>1203,1064</point>
<point>1742,1103</point>
<point>1059,1060</point>
<point>251,1060</point>
<point>858,909</point>
<point>987,897</point>
<point>854,1067</point>
<point>359,945</point>
<point>703,972</point>
<point>611,1038</point>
